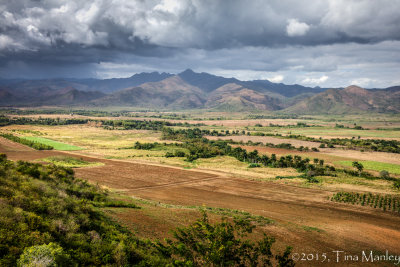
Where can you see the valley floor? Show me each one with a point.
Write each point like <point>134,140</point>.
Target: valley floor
<point>304,218</point>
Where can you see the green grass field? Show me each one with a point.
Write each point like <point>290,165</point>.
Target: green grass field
<point>55,144</point>
<point>375,166</point>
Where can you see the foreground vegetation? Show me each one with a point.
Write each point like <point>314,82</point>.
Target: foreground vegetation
<point>49,218</point>
<point>47,205</point>
<point>203,244</point>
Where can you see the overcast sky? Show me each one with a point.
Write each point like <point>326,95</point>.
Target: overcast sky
<point>327,43</point>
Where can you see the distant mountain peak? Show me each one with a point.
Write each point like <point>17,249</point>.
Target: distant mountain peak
<point>190,89</point>
<point>187,71</point>
<point>354,89</point>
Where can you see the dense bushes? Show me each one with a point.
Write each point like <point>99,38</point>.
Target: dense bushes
<point>34,145</point>
<point>44,209</point>
<point>222,244</point>
<point>176,152</point>
<point>145,146</point>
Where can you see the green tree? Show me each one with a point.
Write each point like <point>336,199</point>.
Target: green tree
<point>221,244</point>
<point>358,166</point>
<point>396,184</point>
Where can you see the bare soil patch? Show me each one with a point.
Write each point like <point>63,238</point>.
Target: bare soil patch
<point>358,155</point>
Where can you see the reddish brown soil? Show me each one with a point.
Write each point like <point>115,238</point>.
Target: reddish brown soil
<point>338,226</point>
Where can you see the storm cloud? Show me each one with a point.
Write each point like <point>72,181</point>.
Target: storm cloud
<point>315,42</point>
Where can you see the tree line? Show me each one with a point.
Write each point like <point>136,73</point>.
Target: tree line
<point>4,121</point>
<point>154,125</point>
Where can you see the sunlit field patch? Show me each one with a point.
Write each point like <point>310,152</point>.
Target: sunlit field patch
<point>55,144</point>
<point>375,166</point>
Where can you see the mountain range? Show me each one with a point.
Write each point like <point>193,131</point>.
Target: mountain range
<point>191,90</point>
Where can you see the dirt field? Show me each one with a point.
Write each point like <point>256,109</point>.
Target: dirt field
<point>335,226</point>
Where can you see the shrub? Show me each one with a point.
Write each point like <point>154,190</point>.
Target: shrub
<point>254,165</point>
<point>169,155</point>
<point>312,180</point>
<point>384,174</point>
<point>44,255</point>
<point>180,154</point>
<point>396,184</point>
<point>221,244</point>
<point>358,166</point>
<point>310,173</point>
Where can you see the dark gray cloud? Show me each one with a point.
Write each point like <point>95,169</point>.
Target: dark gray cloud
<point>311,39</point>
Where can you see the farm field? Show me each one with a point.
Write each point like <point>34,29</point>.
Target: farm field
<point>376,166</point>
<point>172,189</point>
<point>324,126</point>
<point>55,144</point>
